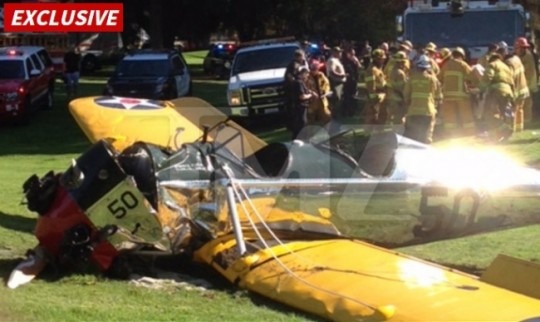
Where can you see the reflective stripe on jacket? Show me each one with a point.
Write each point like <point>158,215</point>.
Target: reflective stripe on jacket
<point>498,77</point>
<point>521,89</point>
<point>396,85</point>
<point>455,75</point>
<point>421,92</point>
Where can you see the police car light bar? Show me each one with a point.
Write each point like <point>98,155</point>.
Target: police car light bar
<point>11,52</point>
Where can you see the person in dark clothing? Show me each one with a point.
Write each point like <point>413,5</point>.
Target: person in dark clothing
<point>352,67</point>
<point>291,76</point>
<point>72,61</point>
<point>302,96</point>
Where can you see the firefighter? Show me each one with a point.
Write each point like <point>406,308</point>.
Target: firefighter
<point>394,102</point>
<point>522,49</point>
<point>497,84</point>
<point>431,51</point>
<point>405,48</point>
<point>456,109</point>
<point>484,60</point>
<point>318,112</point>
<point>521,89</point>
<point>421,94</point>
<point>376,88</point>
<point>444,56</point>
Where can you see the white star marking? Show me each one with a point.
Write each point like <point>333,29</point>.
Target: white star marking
<point>127,103</point>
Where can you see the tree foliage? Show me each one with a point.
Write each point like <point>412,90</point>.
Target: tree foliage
<point>331,20</point>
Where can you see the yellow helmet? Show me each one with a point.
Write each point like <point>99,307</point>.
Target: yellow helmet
<point>400,56</point>
<point>431,47</point>
<point>459,51</point>
<point>378,53</point>
<point>445,53</point>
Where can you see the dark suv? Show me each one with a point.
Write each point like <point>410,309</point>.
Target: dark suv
<point>153,74</point>
<point>26,82</point>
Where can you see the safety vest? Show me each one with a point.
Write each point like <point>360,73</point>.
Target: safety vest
<point>421,92</point>
<point>375,81</point>
<point>530,71</point>
<point>396,85</point>
<point>521,89</point>
<point>454,76</point>
<point>498,77</point>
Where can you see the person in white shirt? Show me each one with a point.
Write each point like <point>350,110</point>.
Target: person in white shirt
<point>337,76</point>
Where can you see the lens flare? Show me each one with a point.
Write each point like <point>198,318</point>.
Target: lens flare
<point>459,167</point>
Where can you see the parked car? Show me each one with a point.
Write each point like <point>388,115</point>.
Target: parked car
<point>153,74</point>
<point>256,85</point>
<point>219,58</point>
<point>26,82</point>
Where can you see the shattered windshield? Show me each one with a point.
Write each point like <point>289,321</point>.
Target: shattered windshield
<point>270,58</point>
<point>447,31</point>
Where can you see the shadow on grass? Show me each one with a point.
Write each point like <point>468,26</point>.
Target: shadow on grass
<point>6,266</point>
<point>17,222</point>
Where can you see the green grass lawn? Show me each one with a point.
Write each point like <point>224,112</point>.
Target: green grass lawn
<point>53,138</point>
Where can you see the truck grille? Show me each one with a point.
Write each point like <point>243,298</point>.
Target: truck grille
<point>262,96</point>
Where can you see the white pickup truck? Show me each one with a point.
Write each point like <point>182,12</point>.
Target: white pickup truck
<point>256,81</point>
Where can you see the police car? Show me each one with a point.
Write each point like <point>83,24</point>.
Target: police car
<point>152,74</point>
<point>26,81</point>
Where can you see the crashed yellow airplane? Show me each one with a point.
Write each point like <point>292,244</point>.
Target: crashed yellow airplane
<point>278,219</point>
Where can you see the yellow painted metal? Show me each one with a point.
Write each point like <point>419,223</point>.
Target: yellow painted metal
<point>514,274</point>
<point>157,126</point>
<point>348,280</point>
<point>201,113</point>
<point>125,127</point>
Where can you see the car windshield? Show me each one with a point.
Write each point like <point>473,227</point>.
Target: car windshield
<point>142,68</point>
<point>11,69</point>
<point>270,58</point>
<point>448,31</point>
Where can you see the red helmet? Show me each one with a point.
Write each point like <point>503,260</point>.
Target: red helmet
<point>521,42</point>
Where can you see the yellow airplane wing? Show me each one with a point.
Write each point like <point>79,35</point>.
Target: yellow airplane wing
<point>164,123</point>
<point>349,280</point>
